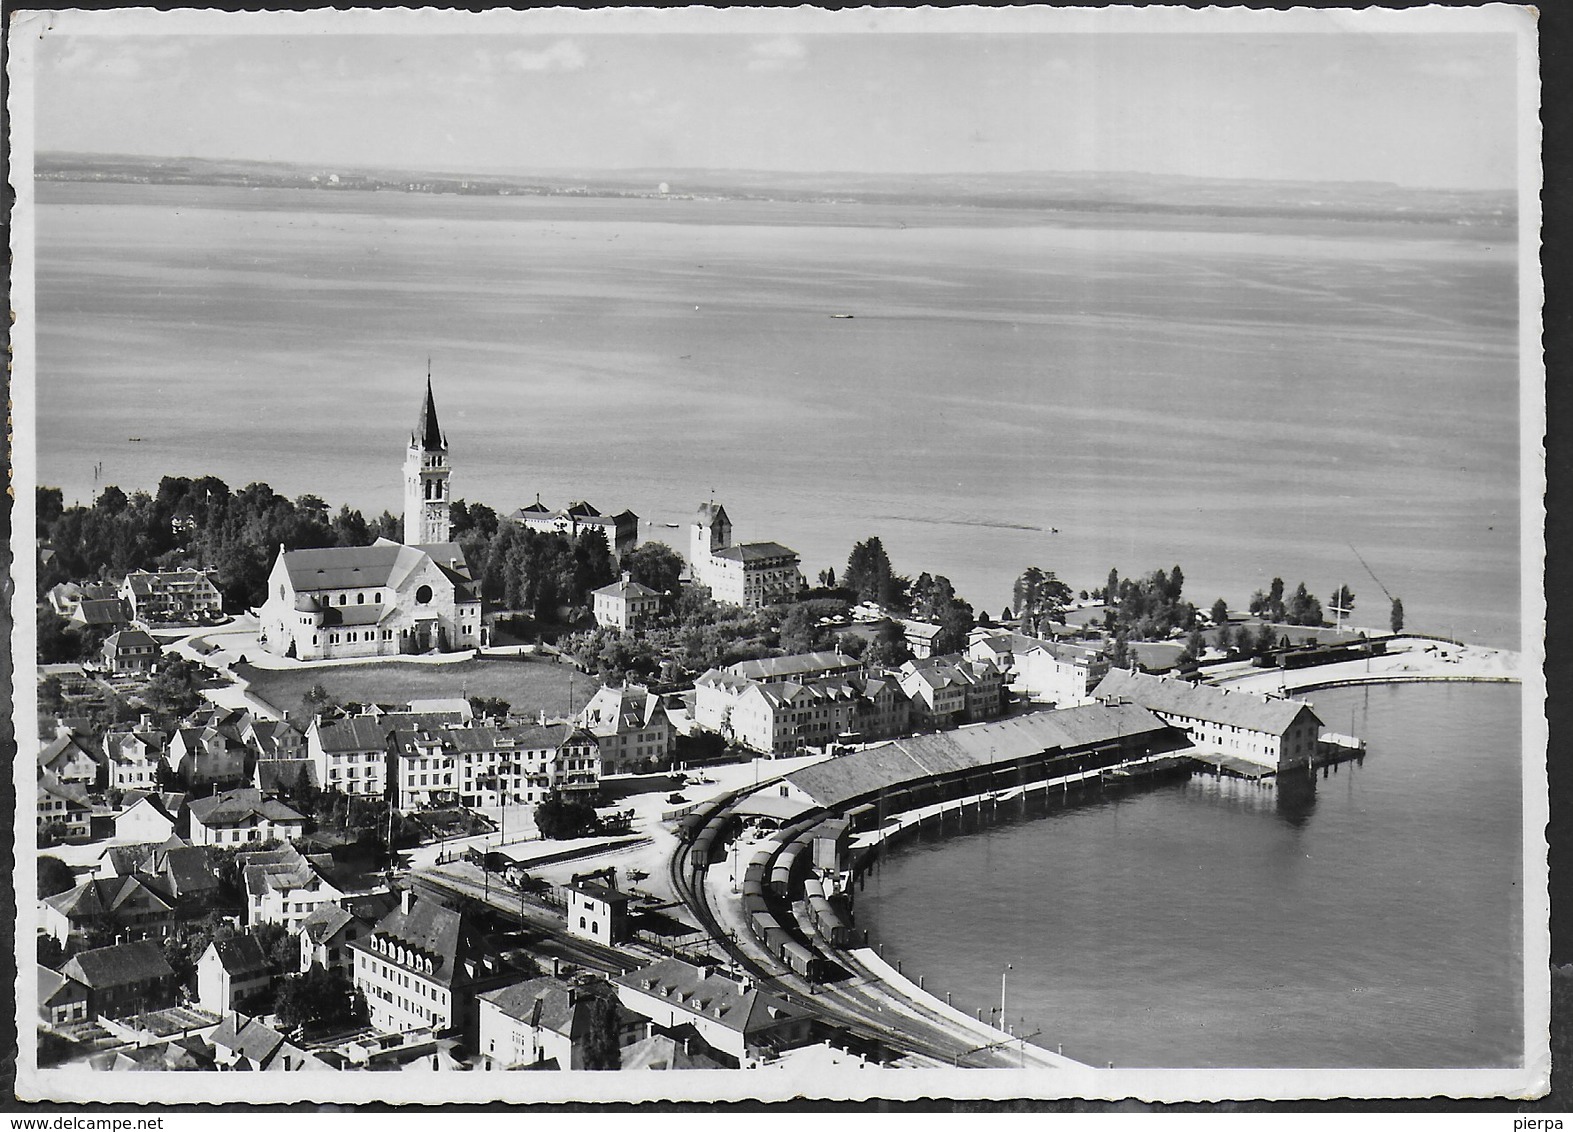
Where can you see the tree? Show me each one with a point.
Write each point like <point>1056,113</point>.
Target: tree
<point>827,578</point>
<point>1395,619</point>
<point>1303,608</point>
<point>1220,612</point>
<point>601,1048</point>
<point>319,999</point>
<point>656,565</point>
<point>493,707</point>
<point>51,696</point>
<point>1223,636</point>
<point>281,949</point>
<point>870,578</point>
<point>1038,598</point>
<point>559,818</point>
<point>54,876</point>
<point>1120,652</point>
<point>51,952</point>
<point>1111,592</point>
<point>1195,645</point>
<point>317,699</point>
<point>1343,602</point>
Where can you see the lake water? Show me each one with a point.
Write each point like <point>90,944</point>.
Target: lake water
<point>1243,402</point>
<point>1375,921</point>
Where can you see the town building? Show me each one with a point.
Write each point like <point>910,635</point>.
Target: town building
<point>751,575</point>
<point>549,1022</point>
<point>239,817</point>
<point>921,637</point>
<point>67,598</point>
<point>631,729</point>
<point>624,605</point>
<point>285,886</point>
<point>64,808</point>
<point>621,530</point>
<point>231,972</point>
<point>70,761</point>
<point>423,965</point>
<point>171,595</point>
<point>147,816</point>
<point>127,978</point>
<point>182,875</point>
<point>1057,672</point>
<point>488,765</point>
<point>426,471</point>
<point>241,1042</point>
<point>130,651</point>
<point>350,755</point>
<point>132,757</point>
<point>208,751</point>
<point>798,666</point>
<point>1270,732</point>
<point>947,690</point>
<point>61,1001</point>
<point>596,911</point>
<point>122,907</point>
<point>327,931</point>
<point>729,1014</point>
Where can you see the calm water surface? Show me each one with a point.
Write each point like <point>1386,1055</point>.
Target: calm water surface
<point>1243,403</point>
<point>1375,921</point>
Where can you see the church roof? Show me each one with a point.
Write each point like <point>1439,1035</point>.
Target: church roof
<point>383,563</point>
<point>711,513</point>
<point>428,435</point>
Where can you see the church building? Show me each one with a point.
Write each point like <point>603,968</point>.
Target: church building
<point>752,574</point>
<point>384,599</point>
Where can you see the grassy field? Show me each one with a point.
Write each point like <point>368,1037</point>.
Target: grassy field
<point>529,685</point>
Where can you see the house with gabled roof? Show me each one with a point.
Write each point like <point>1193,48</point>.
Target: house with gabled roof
<point>207,751</point>
<point>71,761</point>
<point>423,965</point>
<point>131,650</point>
<point>621,530</point>
<point>242,1042</point>
<point>237,817</point>
<point>125,906</point>
<point>328,929</point>
<point>171,595</point>
<point>232,971</point>
<point>952,689</point>
<point>549,1021</point>
<point>62,1001</point>
<point>350,754</point>
<point>730,1013</point>
<point>132,756</point>
<point>631,728</point>
<point>149,816</point>
<point>1265,730</point>
<point>285,886</point>
<point>126,978</point>
<point>66,805</point>
<point>181,874</point>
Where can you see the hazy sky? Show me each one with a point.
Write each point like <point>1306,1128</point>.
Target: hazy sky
<point>1417,109</point>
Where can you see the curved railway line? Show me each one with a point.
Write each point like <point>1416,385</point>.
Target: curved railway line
<point>792,962</point>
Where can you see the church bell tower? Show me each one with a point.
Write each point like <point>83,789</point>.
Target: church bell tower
<point>426,470</point>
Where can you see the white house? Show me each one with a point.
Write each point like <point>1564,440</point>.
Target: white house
<point>1281,734</point>
<point>730,1014</point>
<point>149,817</point>
<point>624,605</point>
<point>547,1023</point>
<point>350,755</point>
<point>630,726</point>
<point>240,816</point>
<point>231,971</point>
<point>284,886</point>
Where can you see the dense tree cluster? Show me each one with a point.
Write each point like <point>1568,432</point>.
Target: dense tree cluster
<point>1149,608</point>
<point>934,600</point>
<point>193,522</point>
<point>869,577</point>
<point>319,1000</point>
<point>656,565</point>
<point>1300,609</point>
<point>541,572</point>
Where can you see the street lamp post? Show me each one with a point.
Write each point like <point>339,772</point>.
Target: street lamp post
<point>1008,968</point>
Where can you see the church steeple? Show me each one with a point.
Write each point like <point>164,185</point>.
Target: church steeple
<point>428,434</point>
<point>426,471</point>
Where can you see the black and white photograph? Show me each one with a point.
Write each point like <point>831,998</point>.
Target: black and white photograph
<point>680,554</point>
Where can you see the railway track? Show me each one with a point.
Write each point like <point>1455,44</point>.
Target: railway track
<point>920,1032</point>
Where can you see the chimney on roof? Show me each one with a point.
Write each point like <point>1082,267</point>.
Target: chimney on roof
<point>406,899</point>
<point>627,577</point>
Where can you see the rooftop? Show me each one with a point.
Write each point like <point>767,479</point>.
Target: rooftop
<point>1202,701</point>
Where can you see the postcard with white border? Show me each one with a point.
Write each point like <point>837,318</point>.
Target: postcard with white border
<point>722,553</point>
